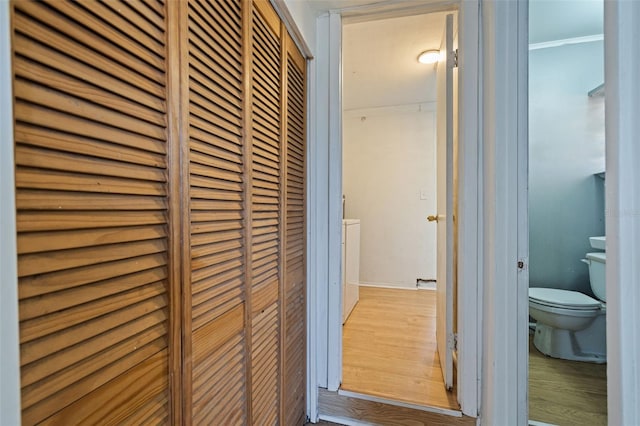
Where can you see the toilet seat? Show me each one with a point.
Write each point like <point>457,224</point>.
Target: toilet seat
<point>565,311</point>
<point>563,299</point>
<point>569,324</point>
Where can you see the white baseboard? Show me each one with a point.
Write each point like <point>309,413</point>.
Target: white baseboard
<point>535,423</point>
<point>342,420</point>
<point>387,285</point>
<point>428,285</point>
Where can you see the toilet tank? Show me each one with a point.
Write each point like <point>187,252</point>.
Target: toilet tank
<point>598,243</point>
<point>597,275</point>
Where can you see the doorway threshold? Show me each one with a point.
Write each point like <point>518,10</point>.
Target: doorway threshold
<point>356,409</point>
<point>427,408</point>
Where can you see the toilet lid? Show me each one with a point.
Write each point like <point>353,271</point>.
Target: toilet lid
<point>562,298</point>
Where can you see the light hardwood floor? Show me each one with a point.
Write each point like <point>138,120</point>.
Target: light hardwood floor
<point>566,392</point>
<point>389,348</point>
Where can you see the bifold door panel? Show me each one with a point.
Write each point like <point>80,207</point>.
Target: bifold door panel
<point>160,190</point>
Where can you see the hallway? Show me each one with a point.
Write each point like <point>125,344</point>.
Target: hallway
<point>389,348</point>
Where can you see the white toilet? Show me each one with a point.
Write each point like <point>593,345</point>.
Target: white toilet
<point>571,325</point>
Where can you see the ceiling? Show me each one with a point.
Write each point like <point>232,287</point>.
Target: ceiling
<point>548,19</point>
<point>379,61</point>
<point>551,20</point>
<point>380,66</point>
<point>326,5</point>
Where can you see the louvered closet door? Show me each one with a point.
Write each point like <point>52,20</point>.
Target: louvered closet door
<point>91,178</point>
<point>294,297</point>
<point>266,214</point>
<point>217,166</point>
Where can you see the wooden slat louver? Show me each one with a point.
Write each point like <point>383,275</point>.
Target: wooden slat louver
<point>216,189</point>
<point>266,211</point>
<point>294,297</point>
<point>92,200</point>
<point>160,160</point>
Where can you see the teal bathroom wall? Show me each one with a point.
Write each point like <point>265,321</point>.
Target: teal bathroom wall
<point>566,150</point>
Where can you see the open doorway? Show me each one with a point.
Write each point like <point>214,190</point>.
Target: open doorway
<point>567,362</point>
<point>390,124</point>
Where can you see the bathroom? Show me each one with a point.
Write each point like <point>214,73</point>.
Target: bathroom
<point>566,193</point>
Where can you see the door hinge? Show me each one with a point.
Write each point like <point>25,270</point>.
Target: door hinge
<point>455,58</point>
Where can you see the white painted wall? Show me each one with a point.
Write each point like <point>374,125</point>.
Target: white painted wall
<point>566,149</point>
<point>305,19</point>
<point>388,164</point>
<point>388,145</point>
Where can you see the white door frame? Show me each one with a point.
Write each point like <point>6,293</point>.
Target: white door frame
<point>469,313</point>
<point>328,115</point>
<point>504,233</point>
<point>505,98</point>
<point>622,221</point>
<point>445,140</point>
<point>334,356</point>
<point>9,337</point>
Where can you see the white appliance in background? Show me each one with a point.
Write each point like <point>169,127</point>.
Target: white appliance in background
<point>350,266</point>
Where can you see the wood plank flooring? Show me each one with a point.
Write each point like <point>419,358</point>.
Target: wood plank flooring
<point>566,392</point>
<point>389,348</point>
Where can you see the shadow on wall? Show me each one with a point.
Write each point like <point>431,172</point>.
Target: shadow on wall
<point>567,232</point>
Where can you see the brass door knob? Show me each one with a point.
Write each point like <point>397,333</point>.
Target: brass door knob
<point>432,218</point>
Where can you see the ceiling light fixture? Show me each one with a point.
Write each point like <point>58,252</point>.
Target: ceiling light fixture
<point>429,57</point>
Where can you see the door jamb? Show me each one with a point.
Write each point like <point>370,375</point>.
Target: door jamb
<point>504,212</point>
<point>622,215</point>
<point>334,367</point>
<point>469,307</point>
<point>9,328</point>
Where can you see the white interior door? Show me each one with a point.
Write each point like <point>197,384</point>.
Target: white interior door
<point>444,178</point>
